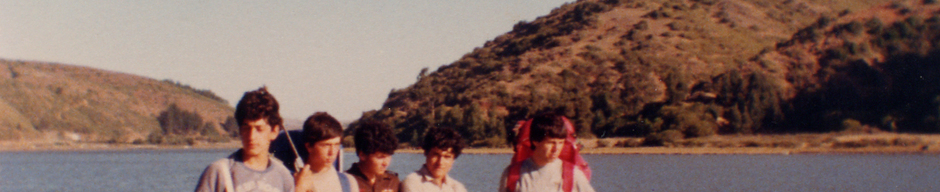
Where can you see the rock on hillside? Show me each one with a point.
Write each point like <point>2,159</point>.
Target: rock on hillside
<point>56,102</point>
<point>657,68</point>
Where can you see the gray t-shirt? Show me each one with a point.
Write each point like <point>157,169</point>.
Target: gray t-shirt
<point>275,178</point>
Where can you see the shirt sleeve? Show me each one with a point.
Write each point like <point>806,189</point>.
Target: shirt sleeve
<point>460,188</point>
<point>410,182</point>
<point>502,179</point>
<point>353,184</point>
<point>581,181</point>
<point>209,181</point>
<point>289,183</point>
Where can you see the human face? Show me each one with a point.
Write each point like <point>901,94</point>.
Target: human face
<point>375,163</point>
<point>256,136</point>
<point>323,152</point>
<point>439,161</point>
<point>548,149</point>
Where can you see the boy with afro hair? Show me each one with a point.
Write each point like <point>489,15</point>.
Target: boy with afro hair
<point>375,145</point>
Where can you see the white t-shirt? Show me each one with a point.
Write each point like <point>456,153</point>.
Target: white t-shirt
<point>420,181</point>
<point>545,179</point>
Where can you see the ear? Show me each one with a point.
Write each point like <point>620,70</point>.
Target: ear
<point>307,147</point>
<point>275,130</point>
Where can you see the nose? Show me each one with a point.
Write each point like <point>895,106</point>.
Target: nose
<point>249,134</point>
<point>386,161</point>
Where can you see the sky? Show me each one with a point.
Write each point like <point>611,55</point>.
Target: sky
<point>342,57</point>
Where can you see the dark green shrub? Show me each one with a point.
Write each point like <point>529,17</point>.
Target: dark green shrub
<point>679,26</point>
<point>642,25</point>
<point>875,26</point>
<point>629,143</point>
<point>665,138</point>
<point>176,121</point>
<point>853,27</point>
<point>852,125</point>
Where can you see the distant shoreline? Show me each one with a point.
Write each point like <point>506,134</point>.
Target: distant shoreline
<point>828,143</point>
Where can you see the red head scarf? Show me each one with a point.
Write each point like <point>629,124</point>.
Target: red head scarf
<point>570,155</point>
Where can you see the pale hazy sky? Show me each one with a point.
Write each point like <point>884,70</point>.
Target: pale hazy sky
<point>341,56</point>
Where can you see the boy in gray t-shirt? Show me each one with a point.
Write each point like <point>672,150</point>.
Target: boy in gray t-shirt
<point>251,168</point>
<point>273,178</point>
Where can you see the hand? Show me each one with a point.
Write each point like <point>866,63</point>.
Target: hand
<point>303,179</point>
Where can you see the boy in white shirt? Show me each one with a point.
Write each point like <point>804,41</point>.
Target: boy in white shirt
<point>544,171</point>
<point>441,147</point>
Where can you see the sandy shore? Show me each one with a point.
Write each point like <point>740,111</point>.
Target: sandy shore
<point>735,144</point>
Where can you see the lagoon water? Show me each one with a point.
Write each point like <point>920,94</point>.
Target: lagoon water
<point>179,170</point>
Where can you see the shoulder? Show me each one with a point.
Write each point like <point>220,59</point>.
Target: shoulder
<point>413,177</point>
<point>411,183</point>
<point>277,168</point>
<point>210,180</point>
<point>581,181</point>
<point>353,182</point>
<point>579,175</point>
<point>412,180</point>
<point>458,186</point>
<point>392,175</point>
<point>280,169</point>
<point>506,172</point>
<point>218,165</point>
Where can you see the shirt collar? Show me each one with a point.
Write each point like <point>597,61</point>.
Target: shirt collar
<point>426,175</point>
<point>354,170</point>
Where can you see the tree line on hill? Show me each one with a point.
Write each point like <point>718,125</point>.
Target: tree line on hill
<point>607,93</point>
<point>178,126</point>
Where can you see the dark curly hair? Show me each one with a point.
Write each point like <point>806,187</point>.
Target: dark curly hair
<point>443,138</point>
<point>321,126</point>
<point>258,104</point>
<point>374,136</point>
<point>547,125</point>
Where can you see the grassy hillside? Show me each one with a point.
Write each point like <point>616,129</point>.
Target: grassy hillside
<point>672,69</point>
<point>57,102</point>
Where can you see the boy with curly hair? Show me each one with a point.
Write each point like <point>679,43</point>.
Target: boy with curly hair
<point>251,168</point>
<point>375,145</point>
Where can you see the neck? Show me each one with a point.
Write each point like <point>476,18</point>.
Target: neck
<point>370,174</point>
<point>541,161</point>
<point>256,162</point>
<point>319,167</point>
<point>436,180</point>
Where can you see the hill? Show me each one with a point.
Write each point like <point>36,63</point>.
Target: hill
<point>673,69</point>
<point>57,103</point>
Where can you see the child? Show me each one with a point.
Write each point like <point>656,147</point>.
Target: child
<point>375,145</point>
<point>252,168</point>
<point>322,141</point>
<point>441,147</point>
<point>546,159</point>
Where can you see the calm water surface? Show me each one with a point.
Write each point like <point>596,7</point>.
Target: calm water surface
<point>179,170</point>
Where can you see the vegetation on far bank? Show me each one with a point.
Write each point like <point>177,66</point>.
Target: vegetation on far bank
<point>658,70</point>
<point>50,102</point>
<point>672,73</point>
